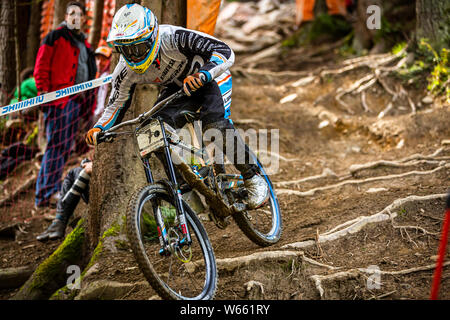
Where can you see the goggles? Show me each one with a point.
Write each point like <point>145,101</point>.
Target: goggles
<point>135,52</point>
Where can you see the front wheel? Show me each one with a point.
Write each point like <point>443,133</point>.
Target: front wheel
<point>186,273</point>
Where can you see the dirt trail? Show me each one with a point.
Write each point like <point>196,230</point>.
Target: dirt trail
<point>327,251</point>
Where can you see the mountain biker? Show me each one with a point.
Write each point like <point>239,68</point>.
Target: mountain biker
<point>174,57</point>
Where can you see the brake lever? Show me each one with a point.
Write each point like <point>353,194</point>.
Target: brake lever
<point>104,137</point>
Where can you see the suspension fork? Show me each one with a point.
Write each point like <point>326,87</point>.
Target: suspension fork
<point>148,170</point>
<point>162,232</point>
<point>176,189</point>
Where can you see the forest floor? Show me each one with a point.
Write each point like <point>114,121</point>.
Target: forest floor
<point>386,216</point>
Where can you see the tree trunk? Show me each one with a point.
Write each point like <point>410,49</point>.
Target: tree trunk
<point>117,170</point>
<point>94,35</point>
<point>33,36</point>
<point>117,173</point>
<point>433,22</point>
<point>364,37</point>
<point>60,12</point>
<point>7,56</point>
<point>174,11</point>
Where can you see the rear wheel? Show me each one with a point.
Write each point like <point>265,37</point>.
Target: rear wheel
<point>262,225</point>
<point>184,273</point>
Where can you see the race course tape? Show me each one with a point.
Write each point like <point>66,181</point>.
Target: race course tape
<point>55,95</point>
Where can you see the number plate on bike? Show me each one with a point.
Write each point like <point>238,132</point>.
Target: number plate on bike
<point>149,138</point>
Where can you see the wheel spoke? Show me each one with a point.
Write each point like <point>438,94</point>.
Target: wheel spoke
<point>174,274</point>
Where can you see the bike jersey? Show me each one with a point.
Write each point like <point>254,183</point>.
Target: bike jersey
<point>183,52</point>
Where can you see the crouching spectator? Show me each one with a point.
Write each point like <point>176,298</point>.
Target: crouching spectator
<point>74,187</point>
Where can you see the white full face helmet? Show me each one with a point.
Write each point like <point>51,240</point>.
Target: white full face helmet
<point>135,35</point>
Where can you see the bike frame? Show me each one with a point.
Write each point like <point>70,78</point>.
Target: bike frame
<point>173,186</point>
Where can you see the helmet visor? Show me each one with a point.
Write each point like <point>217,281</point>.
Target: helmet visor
<point>135,52</point>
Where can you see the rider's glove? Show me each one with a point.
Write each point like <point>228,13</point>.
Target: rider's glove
<point>91,136</point>
<point>194,82</point>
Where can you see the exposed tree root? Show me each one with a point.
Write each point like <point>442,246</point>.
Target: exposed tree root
<point>405,271</point>
<point>362,181</point>
<point>231,264</point>
<point>109,290</point>
<point>14,277</point>
<point>405,162</point>
<point>51,274</point>
<point>355,225</point>
<point>399,163</point>
<point>254,290</point>
<point>355,273</point>
<point>314,262</point>
<point>278,156</point>
<point>385,163</point>
<point>30,182</point>
<point>343,275</point>
<point>326,173</point>
<point>378,64</point>
<point>364,102</point>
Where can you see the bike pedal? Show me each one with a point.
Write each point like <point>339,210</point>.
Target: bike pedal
<point>239,207</point>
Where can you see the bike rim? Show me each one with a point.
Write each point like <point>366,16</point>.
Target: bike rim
<point>275,217</point>
<point>179,278</point>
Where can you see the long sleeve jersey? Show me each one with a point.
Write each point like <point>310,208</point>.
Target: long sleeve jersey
<point>183,52</point>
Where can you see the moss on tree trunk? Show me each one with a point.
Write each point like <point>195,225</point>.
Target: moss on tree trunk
<point>52,273</point>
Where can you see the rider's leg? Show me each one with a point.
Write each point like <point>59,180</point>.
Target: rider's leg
<point>213,102</point>
<point>256,186</point>
<point>74,187</point>
<point>215,99</point>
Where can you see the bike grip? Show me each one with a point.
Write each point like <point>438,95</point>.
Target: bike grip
<point>202,77</point>
<point>104,137</point>
<point>98,137</point>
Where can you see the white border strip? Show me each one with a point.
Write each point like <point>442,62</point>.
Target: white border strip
<point>55,95</point>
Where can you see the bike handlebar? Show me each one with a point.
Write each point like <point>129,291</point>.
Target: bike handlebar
<point>108,135</point>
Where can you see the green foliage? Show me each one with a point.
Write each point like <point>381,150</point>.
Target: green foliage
<point>150,227</point>
<point>439,68</point>
<point>68,252</point>
<point>30,139</point>
<point>428,61</point>
<point>347,49</point>
<point>397,48</point>
<point>388,29</point>
<point>402,212</point>
<point>324,25</point>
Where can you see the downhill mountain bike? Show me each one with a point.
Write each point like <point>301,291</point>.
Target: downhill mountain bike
<point>167,238</point>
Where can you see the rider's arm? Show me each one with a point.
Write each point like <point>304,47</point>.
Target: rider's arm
<point>122,89</point>
<point>218,57</point>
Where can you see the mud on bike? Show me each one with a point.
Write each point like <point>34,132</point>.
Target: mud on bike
<point>168,239</point>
